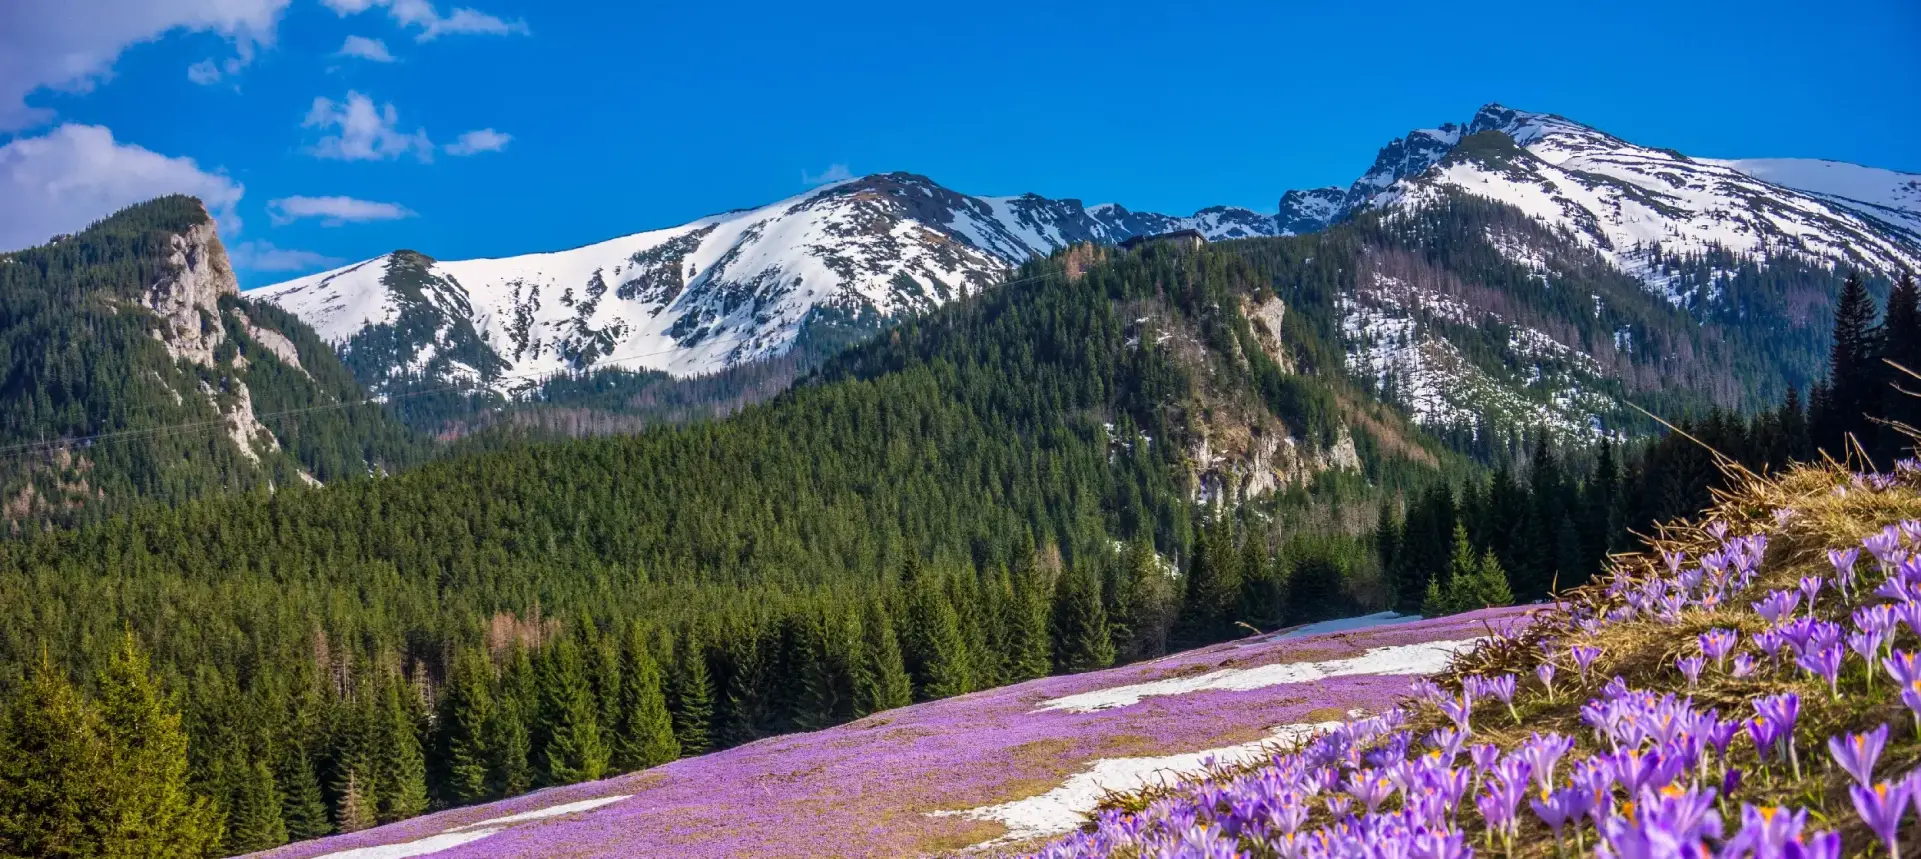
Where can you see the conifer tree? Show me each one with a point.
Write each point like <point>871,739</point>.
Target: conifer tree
<point>1151,601</point>
<point>570,745</point>
<point>256,822</point>
<point>937,654</point>
<point>1033,600</point>
<point>882,682</point>
<point>303,809</point>
<point>467,711</point>
<point>148,808</point>
<point>52,768</point>
<point>1901,348</point>
<point>644,735</point>
<point>1855,373</point>
<point>693,704</point>
<point>745,683</point>
<point>1080,625</point>
<point>399,766</point>
<point>355,809</point>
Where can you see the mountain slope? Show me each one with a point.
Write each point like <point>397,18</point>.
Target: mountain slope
<point>134,370</point>
<point>1631,203</point>
<point>1889,195</point>
<point>707,295</point>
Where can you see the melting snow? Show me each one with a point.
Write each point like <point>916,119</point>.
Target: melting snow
<point>552,811</point>
<point>1066,807</point>
<point>1424,658</point>
<point>422,847</point>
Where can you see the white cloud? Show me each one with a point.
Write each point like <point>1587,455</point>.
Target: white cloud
<point>77,174</point>
<point>204,72</point>
<point>334,211</point>
<point>263,256</point>
<point>71,45</point>
<point>427,20</point>
<point>833,173</point>
<point>363,132</point>
<point>480,140</point>
<point>373,50</point>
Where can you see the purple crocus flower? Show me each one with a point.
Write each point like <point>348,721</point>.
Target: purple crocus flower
<point>1765,831</point>
<point>1459,710</point>
<point>1545,671</point>
<point>1857,753</point>
<point>1584,656</point>
<point>1810,587</point>
<point>1691,666</point>
<point>1903,666</point>
<point>1779,713</point>
<point>1542,753</point>
<point>1743,665</point>
<point>1884,545</point>
<point>1882,807</point>
<point>1820,845</point>
<point>1716,644</point>
<point>1842,560</point>
<point>1777,605</point>
<point>1824,662</point>
<point>1866,645</point>
<point>1371,788</point>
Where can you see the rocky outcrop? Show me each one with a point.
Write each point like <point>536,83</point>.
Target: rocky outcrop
<point>187,299</point>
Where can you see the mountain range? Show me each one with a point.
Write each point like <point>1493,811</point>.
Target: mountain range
<point>1674,259</point>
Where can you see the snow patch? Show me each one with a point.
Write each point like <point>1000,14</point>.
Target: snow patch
<point>1065,808</point>
<point>1349,624</point>
<point>422,847</point>
<point>551,811</point>
<point>1424,658</point>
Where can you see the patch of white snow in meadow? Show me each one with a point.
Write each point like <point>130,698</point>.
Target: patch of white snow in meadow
<point>1425,658</point>
<point>552,811</point>
<point>1065,808</point>
<point>422,847</point>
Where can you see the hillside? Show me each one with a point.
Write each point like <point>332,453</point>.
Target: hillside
<point>1746,686</point>
<point>988,494</point>
<point>993,769</point>
<point>131,369</point>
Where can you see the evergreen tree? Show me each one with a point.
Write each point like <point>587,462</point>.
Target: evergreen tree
<point>937,656</point>
<point>1033,645</point>
<point>1900,347</point>
<point>882,682</point>
<point>256,822</point>
<point>303,809</point>
<point>148,809</point>
<point>1151,601</point>
<point>693,698</point>
<point>467,712</point>
<point>1855,374</point>
<point>53,769</point>
<point>644,734</point>
<point>1080,625</point>
<point>399,766</point>
<point>355,809</point>
<point>569,744</point>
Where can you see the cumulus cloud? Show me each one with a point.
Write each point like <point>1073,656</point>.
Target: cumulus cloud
<point>833,173</point>
<point>334,211</point>
<point>364,132</point>
<point>428,23</point>
<point>480,140</point>
<point>71,45</point>
<point>77,174</point>
<point>372,50</point>
<point>263,256</point>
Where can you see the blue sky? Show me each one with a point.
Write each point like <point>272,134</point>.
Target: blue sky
<point>520,126</point>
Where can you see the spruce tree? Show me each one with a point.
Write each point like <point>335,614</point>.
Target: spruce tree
<point>1081,639</point>
<point>569,744</point>
<point>467,709</point>
<point>148,808</point>
<point>1901,356</point>
<point>256,822</point>
<point>303,809</point>
<point>1034,599</point>
<point>355,809</point>
<point>937,654</point>
<point>1151,601</point>
<point>693,704</point>
<point>1855,373</point>
<point>644,734</point>
<point>399,766</point>
<point>882,682</point>
<point>53,768</point>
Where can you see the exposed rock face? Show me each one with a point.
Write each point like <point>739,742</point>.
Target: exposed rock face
<point>188,299</point>
<point>273,341</point>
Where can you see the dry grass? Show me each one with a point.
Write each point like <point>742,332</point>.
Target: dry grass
<point>1831,510</point>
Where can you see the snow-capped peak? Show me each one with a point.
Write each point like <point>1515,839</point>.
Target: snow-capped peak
<point>709,294</point>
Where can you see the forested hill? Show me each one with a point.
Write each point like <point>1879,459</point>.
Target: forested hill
<point>936,512</point>
<point>131,370</point>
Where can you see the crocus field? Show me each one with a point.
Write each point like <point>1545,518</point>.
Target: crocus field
<point>1748,688</point>
<point>993,771</point>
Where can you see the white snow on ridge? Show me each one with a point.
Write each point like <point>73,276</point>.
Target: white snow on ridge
<point>1065,808</point>
<point>733,287</point>
<point>1423,658</point>
<point>1890,195</point>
